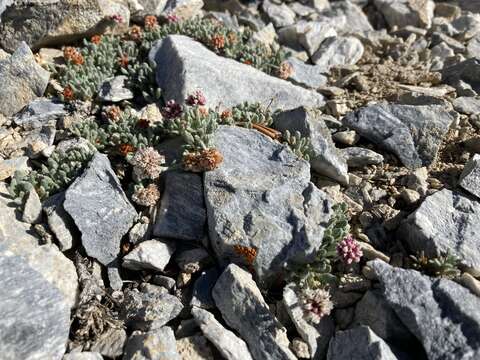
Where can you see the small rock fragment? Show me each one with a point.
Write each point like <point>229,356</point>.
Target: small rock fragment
<point>32,210</point>
<point>150,254</point>
<point>157,344</point>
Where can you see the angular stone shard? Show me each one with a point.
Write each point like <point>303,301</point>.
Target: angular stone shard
<point>470,177</point>
<point>100,209</point>
<point>442,314</point>
<point>402,13</point>
<point>228,344</point>
<point>261,198</point>
<point>150,254</point>
<point>243,308</point>
<point>22,80</point>
<point>338,51</point>
<point>359,343</point>
<point>35,320</point>
<point>184,66</point>
<point>445,222</point>
<point>327,159</point>
<point>413,133</point>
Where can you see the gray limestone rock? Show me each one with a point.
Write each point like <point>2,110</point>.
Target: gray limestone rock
<point>244,309</point>
<point>312,33</point>
<point>114,90</point>
<point>317,336</point>
<point>157,344</point>
<point>22,80</point>
<point>445,222</point>
<point>35,319</point>
<point>360,157</point>
<point>470,177</point>
<point>100,209</point>
<point>149,255</point>
<point>261,197</point>
<point>280,15</point>
<point>338,51</point>
<point>59,222</point>
<point>38,113</point>
<point>182,213</point>
<point>184,9</point>
<point>373,310</point>
<point>40,23</point>
<point>110,343</point>
<point>327,159</point>
<point>227,343</point>
<point>46,259</point>
<point>184,66</point>
<point>467,72</point>
<point>9,166</point>
<point>32,209</point>
<point>309,76</point>
<point>413,133</point>
<point>467,105</point>
<point>359,343</point>
<point>149,310</point>
<point>402,13</point>
<point>442,314</point>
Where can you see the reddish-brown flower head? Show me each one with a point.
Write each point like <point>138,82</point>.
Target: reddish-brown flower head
<point>68,93</point>
<point>248,253</point>
<point>126,149</point>
<point>203,160</point>
<point>135,33</point>
<point>150,22</point>
<point>96,39</point>
<point>123,60</point>
<point>218,41</point>
<point>73,55</point>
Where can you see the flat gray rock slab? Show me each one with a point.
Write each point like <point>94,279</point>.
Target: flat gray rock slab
<point>227,343</point>
<point>383,321</point>
<point>446,222</point>
<point>40,112</point>
<point>467,71</point>
<point>35,320</point>
<point>442,314</point>
<point>309,76</point>
<point>470,177</point>
<point>59,222</point>
<point>22,80</point>
<point>317,336</point>
<point>41,23</point>
<point>243,308</point>
<point>413,133</point>
<point>402,13</point>
<point>261,198</point>
<point>149,311</point>
<point>114,90</point>
<point>467,105</point>
<point>100,209</point>
<point>157,344</point>
<point>149,255</point>
<point>184,66</point>
<point>359,157</point>
<point>84,355</point>
<point>359,343</point>
<point>327,159</point>
<point>338,51</point>
<point>17,237</point>
<point>182,214</point>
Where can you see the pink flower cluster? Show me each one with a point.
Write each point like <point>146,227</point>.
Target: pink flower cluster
<point>349,250</point>
<point>197,98</point>
<point>172,18</point>
<point>117,18</point>
<point>172,109</point>
<point>316,304</point>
